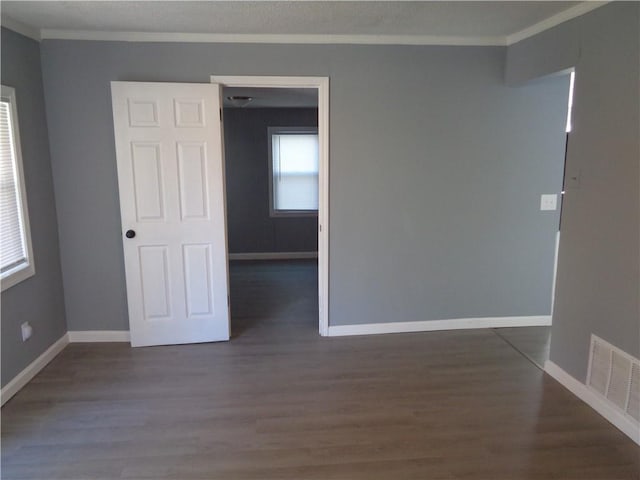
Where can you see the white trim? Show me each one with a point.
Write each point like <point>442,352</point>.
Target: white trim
<point>580,390</point>
<point>21,28</point>
<point>322,84</point>
<point>98,336</point>
<point>273,255</point>
<point>323,205</point>
<point>554,21</point>
<point>272,38</point>
<point>18,274</point>
<point>435,325</point>
<point>271,81</point>
<point>22,378</point>
<point>27,269</point>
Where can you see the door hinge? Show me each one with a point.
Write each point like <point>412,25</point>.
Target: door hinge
<point>228,301</point>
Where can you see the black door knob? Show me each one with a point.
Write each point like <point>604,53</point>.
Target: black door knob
<point>130,234</point>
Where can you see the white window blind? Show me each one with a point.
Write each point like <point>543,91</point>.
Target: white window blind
<point>294,159</point>
<point>15,247</point>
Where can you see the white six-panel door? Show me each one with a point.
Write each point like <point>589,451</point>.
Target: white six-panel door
<point>171,179</point>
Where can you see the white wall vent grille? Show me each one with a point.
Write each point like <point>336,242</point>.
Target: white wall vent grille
<point>615,375</point>
<point>634,398</point>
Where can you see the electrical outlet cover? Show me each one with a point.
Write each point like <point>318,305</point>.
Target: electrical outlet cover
<point>26,331</point>
<point>548,201</point>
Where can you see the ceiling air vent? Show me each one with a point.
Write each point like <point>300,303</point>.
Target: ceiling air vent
<point>615,375</point>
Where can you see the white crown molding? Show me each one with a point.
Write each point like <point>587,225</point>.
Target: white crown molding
<point>268,38</point>
<point>323,39</point>
<point>21,28</point>
<point>555,20</point>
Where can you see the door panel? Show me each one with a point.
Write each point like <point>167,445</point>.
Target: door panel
<point>170,175</point>
<point>192,172</point>
<point>197,261</point>
<point>155,281</point>
<point>147,181</point>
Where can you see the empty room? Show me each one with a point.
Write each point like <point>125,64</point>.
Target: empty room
<point>320,240</point>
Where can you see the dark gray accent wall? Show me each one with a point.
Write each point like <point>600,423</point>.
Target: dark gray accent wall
<point>250,226</point>
<point>39,299</point>
<point>436,171</point>
<point>598,267</point>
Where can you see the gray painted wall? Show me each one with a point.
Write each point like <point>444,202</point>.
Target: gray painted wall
<point>598,266</point>
<point>552,51</point>
<point>250,227</point>
<point>435,173</point>
<point>39,299</point>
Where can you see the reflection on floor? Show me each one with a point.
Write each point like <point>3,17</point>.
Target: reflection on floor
<point>532,342</point>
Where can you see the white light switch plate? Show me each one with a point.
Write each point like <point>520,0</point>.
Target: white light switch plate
<point>548,201</point>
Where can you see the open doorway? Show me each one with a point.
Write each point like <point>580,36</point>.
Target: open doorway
<point>275,136</point>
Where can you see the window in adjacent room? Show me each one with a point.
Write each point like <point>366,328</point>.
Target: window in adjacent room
<point>293,166</point>
<point>16,255</point>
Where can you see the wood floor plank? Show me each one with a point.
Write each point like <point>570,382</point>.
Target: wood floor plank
<point>280,402</point>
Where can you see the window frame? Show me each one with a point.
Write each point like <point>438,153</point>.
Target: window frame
<point>271,131</point>
<point>27,269</point>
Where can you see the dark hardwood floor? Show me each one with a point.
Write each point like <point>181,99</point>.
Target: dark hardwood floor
<point>280,402</point>
<point>271,298</point>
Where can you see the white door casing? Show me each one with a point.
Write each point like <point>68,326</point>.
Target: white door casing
<point>168,140</point>
<point>322,86</point>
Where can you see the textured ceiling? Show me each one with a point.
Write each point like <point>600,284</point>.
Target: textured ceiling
<point>418,18</point>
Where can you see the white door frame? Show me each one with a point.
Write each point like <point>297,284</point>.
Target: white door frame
<point>322,84</point>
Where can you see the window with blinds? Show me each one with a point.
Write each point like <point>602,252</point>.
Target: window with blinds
<point>294,170</point>
<point>15,243</point>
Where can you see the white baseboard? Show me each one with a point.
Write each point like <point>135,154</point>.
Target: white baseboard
<point>20,380</point>
<point>97,336</point>
<point>434,325</point>
<point>580,390</point>
<point>273,255</point>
